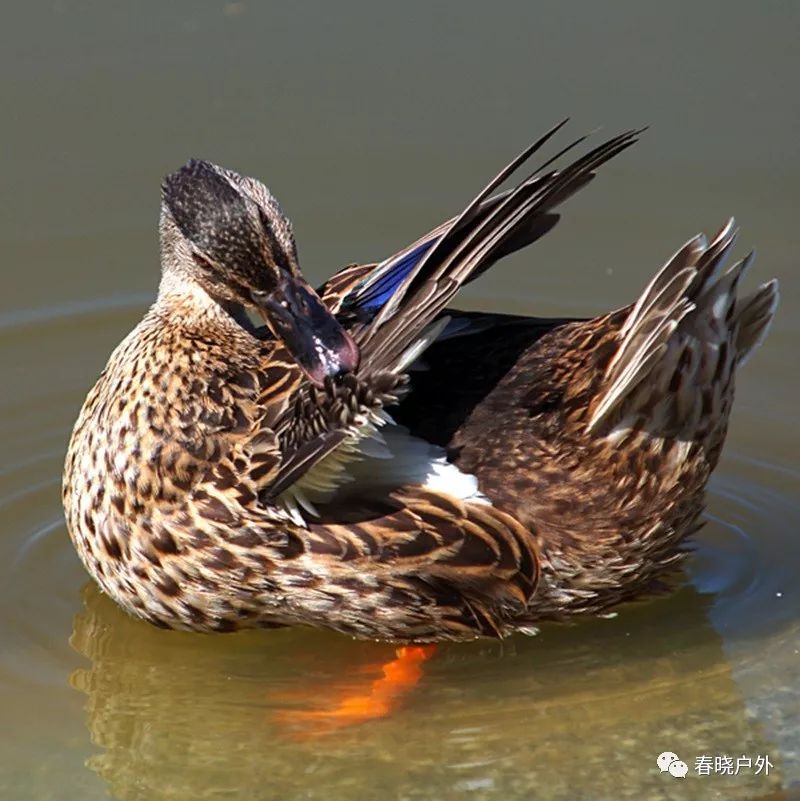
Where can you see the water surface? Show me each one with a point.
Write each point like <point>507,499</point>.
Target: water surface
<point>371,125</point>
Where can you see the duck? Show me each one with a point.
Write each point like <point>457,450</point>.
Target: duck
<point>366,458</point>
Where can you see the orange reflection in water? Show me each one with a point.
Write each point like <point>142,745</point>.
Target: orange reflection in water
<point>399,677</point>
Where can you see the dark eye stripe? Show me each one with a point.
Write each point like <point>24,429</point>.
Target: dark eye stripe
<point>279,255</point>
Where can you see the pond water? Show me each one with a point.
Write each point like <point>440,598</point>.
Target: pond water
<point>372,125</point>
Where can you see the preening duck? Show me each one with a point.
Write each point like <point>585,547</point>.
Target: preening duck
<point>373,461</point>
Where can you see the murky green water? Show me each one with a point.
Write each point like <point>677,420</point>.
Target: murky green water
<point>371,124</point>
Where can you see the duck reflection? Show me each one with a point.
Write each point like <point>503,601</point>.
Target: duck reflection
<point>576,712</point>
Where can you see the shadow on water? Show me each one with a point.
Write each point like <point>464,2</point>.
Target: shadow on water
<point>576,712</point>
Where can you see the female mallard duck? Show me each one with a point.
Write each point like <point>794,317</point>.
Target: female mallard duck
<point>222,475</point>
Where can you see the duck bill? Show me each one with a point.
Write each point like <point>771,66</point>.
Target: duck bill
<point>317,342</point>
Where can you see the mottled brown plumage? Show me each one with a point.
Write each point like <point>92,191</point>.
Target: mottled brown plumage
<point>222,475</point>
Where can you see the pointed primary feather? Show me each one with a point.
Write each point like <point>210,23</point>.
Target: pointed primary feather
<point>430,286</point>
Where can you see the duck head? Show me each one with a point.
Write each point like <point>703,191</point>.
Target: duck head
<point>227,233</point>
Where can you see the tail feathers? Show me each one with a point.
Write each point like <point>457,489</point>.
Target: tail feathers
<point>688,330</point>
<point>406,297</point>
<point>755,318</point>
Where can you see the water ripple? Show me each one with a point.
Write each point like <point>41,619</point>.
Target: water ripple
<point>44,315</point>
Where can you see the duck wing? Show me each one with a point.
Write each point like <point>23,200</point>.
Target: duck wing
<point>393,312</point>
